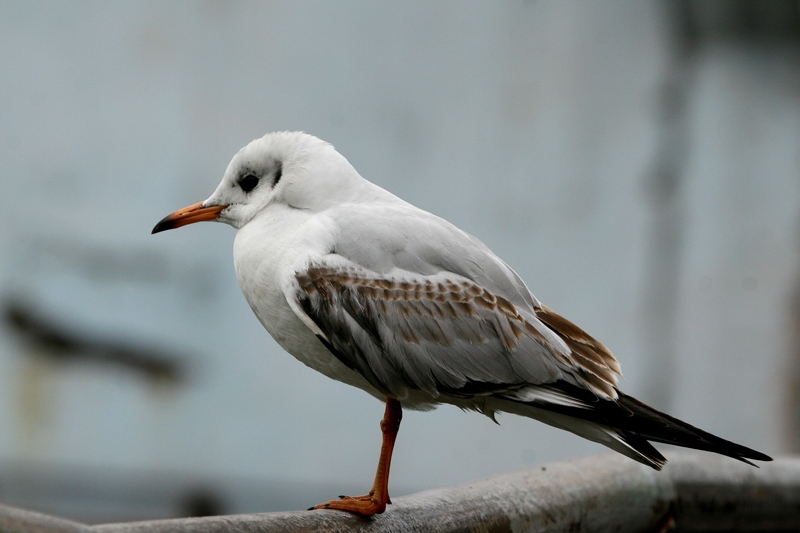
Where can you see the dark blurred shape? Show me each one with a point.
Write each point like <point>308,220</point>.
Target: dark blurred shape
<point>762,20</point>
<point>98,263</point>
<point>792,411</point>
<point>663,188</point>
<point>690,25</point>
<point>60,341</point>
<point>202,502</point>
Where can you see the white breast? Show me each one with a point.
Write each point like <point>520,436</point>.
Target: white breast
<point>265,254</point>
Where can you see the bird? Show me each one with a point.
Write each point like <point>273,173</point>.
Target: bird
<point>376,293</point>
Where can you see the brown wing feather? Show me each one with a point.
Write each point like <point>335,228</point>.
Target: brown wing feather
<point>445,333</point>
<point>441,333</point>
<point>597,361</point>
<point>423,298</point>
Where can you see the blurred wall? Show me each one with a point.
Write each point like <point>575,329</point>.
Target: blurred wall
<point>544,128</point>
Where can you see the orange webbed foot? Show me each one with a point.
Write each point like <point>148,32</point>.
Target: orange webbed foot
<point>366,505</point>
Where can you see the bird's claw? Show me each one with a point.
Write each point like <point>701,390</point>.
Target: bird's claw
<point>366,505</point>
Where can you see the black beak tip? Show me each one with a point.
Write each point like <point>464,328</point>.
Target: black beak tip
<point>163,225</point>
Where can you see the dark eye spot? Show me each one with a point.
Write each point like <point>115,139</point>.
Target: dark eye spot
<point>248,182</point>
<point>278,174</point>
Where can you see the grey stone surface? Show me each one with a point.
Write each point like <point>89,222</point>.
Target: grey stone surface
<point>14,520</point>
<point>602,493</point>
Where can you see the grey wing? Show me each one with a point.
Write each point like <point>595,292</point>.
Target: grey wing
<point>416,241</point>
<point>443,333</point>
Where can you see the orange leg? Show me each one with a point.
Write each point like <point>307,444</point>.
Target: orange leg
<point>375,502</point>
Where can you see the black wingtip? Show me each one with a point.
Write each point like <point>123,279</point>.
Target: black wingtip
<point>661,427</point>
<point>638,423</point>
<point>754,455</point>
<point>758,456</point>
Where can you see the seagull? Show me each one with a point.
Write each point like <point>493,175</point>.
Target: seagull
<point>378,294</point>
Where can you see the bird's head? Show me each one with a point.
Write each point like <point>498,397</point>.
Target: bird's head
<point>290,168</point>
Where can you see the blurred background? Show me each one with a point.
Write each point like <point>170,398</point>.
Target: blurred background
<point>636,162</point>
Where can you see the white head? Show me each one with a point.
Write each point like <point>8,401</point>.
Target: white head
<point>290,168</point>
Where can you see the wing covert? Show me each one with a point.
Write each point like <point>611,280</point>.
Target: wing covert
<point>440,333</point>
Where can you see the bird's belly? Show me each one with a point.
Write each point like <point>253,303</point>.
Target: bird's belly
<point>295,337</point>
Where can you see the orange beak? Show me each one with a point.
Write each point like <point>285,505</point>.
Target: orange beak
<point>188,215</point>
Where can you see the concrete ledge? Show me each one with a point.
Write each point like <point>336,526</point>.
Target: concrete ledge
<point>696,492</point>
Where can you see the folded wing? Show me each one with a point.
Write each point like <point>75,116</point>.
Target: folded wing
<point>445,334</point>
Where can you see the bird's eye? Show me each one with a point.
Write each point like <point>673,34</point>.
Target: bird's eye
<point>248,182</point>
